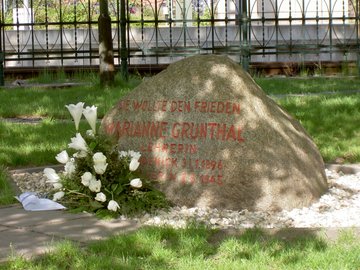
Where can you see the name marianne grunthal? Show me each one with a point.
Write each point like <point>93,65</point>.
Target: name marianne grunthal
<point>176,130</point>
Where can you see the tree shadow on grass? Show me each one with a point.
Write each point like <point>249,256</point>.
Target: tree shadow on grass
<point>168,248</point>
<point>199,247</point>
<point>332,121</point>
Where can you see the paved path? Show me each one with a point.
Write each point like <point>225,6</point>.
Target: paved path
<point>33,233</point>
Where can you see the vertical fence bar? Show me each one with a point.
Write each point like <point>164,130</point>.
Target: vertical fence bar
<point>2,55</point>
<point>118,32</point>
<point>47,31</point>
<point>17,30</point>
<point>123,51</point>
<point>61,34</point>
<point>357,35</point>
<point>212,27</point>
<point>75,30</point>
<point>226,24</point>
<point>156,25</point>
<point>330,28</point>
<point>245,51</point>
<point>198,24</point>
<point>32,33</point>
<point>171,10</point>
<point>276,29</point>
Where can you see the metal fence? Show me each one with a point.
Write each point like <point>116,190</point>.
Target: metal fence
<point>55,33</point>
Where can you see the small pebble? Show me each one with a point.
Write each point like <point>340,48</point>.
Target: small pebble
<point>339,207</point>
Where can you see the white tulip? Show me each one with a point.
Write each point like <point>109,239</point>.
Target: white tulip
<point>113,206</point>
<point>134,164</point>
<point>58,195</point>
<point>62,157</point>
<point>90,114</point>
<point>57,185</point>
<point>78,143</point>
<point>70,167</point>
<point>100,168</point>
<point>136,183</point>
<point>99,158</point>
<point>95,185</point>
<point>86,178</point>
<point>100,164</point>
<point>51,175</point>
<point>101,197</point>
<point>76,112</point>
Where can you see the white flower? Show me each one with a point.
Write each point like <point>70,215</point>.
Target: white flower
<point>76,112</point>
<point>136,183</point>
<point>80,154</point>
<point>86,178</point>
<point>95,185</point>
<point>57,185</point>
<point>90,114</point>
<point>101,197</point>
<point>99,158</point>
<point>113,206</point>
<point>70,167</point>
<point>78,143</point>
<point>134,164</point>
<point>62,157</point>
<point>51,175</point>
<point>122,154</point>
<point>100,168</point>
<point>90,133</point>
<point>100,164</point>
<point>135,155</point>
<point>129,153</point>
<point>58,195</point>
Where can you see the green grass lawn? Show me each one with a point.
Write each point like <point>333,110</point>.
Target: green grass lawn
<point>299,85</point>
<point>332,121</point>
<point>197,247</point>
<point>42,102</point>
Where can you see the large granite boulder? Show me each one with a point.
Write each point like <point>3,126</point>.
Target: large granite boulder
<point>211,137</point>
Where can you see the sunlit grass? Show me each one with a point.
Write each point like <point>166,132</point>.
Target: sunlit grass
<point>308,85</point>
<point>197,247</point>
<point>6,191</point>
<point>42,102</point>
<point>332,121</point>
<point>34,144</point>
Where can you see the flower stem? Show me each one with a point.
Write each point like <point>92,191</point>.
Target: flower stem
<point>78,193</point>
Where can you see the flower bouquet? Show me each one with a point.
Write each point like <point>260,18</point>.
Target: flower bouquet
<point>100,178</point>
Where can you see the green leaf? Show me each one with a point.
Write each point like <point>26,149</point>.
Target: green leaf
<point>119,189</point>
<point>96,205</point>
<point>114,187</point>
<point>93,145</point>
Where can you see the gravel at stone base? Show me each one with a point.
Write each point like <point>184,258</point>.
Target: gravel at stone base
<point>339,207</point>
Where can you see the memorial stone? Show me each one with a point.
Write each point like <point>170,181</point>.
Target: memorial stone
<point>211,137</point>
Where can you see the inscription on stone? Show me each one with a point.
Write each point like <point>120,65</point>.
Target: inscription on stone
<point>179,147</point>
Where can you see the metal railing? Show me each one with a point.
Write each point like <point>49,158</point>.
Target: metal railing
<point>57,33</point>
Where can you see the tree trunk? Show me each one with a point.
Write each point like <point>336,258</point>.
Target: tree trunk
<point>106,54</point>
